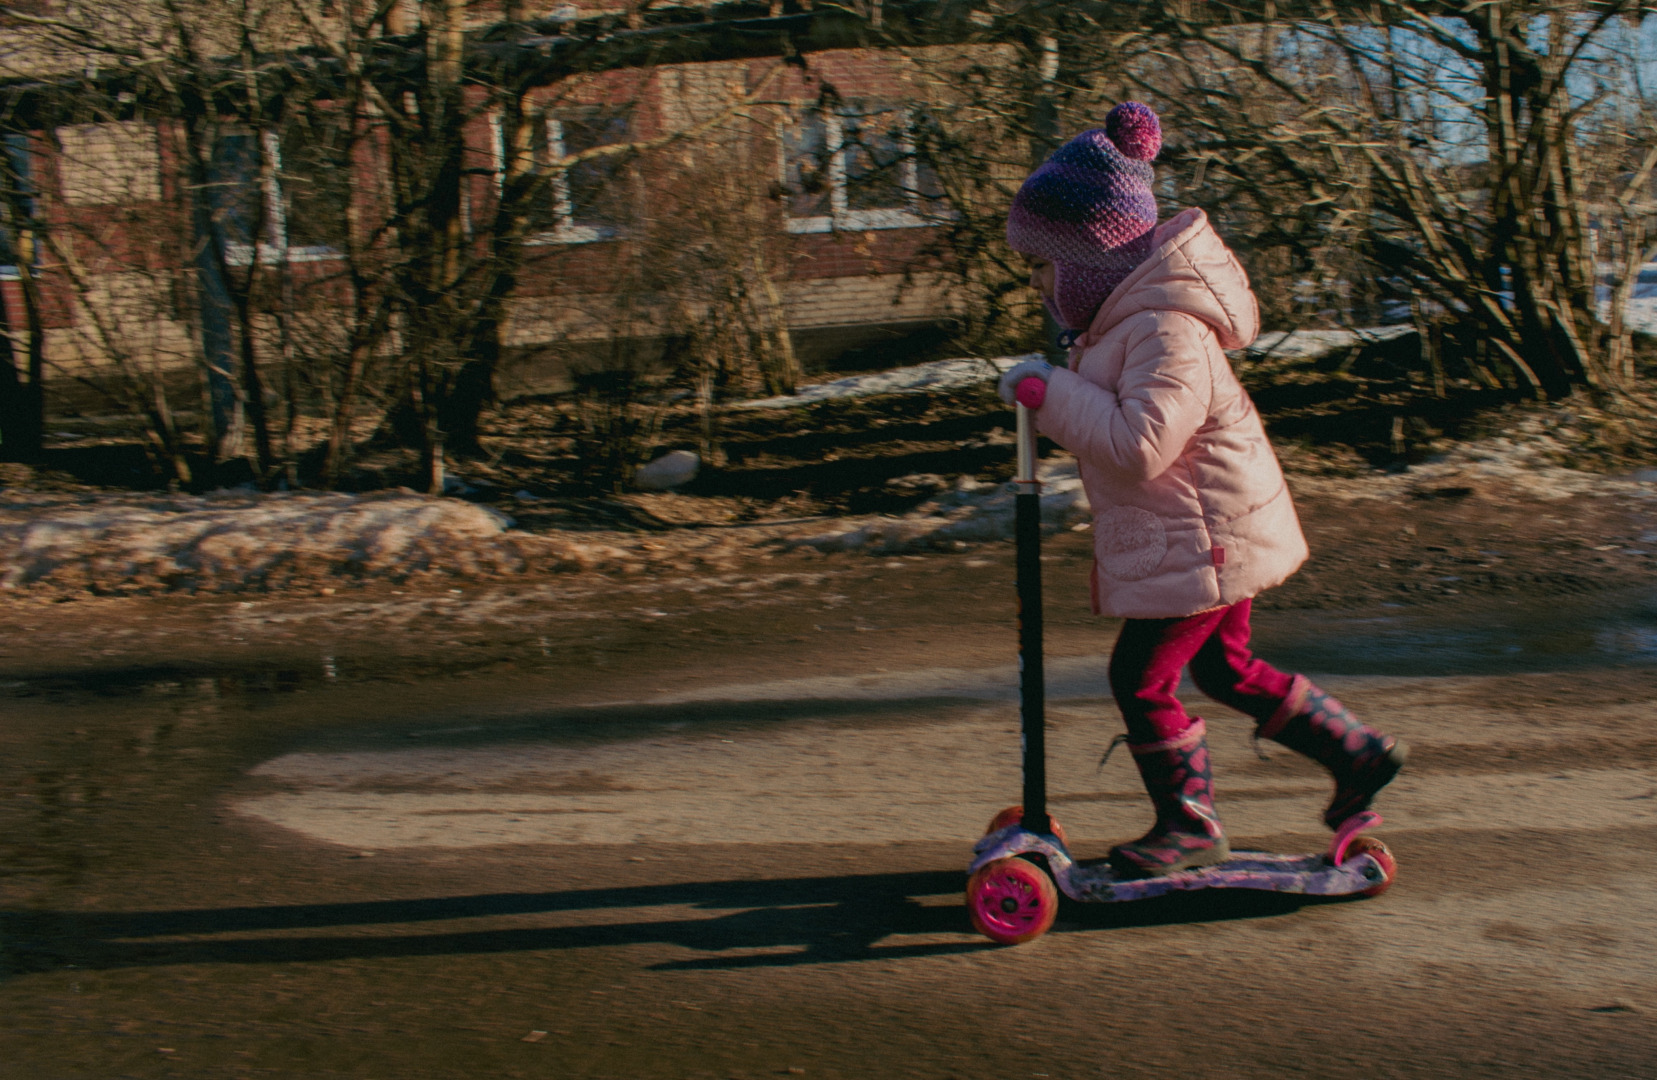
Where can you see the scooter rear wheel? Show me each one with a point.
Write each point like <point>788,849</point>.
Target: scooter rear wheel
<point>1368,845</point>
<point>1012,901</point>
<point>1015,814</point>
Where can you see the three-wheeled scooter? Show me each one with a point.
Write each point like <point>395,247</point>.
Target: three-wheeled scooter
<point>1023,861</point>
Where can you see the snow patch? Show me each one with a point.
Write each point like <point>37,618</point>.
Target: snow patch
<point>1524,462</point>
<point>915,379</point>
<point>672,469</point>
<point>1641,314</point>
<point>229,541</point>
<point>1309,344</point>
<point>972,512</point>
<point>956,374</point>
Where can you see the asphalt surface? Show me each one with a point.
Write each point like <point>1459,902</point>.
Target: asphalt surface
<point>655,834</point>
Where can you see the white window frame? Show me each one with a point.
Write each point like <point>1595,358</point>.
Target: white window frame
<point>273,249</point>
<point>564,230</point>
<point>841,218</point>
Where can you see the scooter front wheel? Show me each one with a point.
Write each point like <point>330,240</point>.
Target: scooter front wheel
<point>1015,814</point>
<point>1368,845</point>
<point>1012,901</point>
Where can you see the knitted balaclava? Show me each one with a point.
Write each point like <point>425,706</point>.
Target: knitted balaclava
<point>1089,210</point>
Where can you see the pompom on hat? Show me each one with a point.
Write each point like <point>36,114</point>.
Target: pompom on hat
<point>1090,211</point>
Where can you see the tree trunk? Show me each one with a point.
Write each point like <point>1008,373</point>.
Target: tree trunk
<point>34,394</point>
<point>1539,236</point>
<point>437,319</point>
<point>20,431</point>
<point>474,385</point>
<point>22,394</point>
<point>213,292</point>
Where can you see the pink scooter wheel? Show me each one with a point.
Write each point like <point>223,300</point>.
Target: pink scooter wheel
<point>1368,845</point>
<point>1012,901</point>
<point>1015,814</point>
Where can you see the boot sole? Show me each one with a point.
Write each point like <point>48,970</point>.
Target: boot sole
<point>1196,860</point>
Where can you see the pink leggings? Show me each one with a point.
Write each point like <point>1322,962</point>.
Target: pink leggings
<point>1149,655</point>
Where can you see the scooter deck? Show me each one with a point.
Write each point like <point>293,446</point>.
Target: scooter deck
<point>1312,875</point>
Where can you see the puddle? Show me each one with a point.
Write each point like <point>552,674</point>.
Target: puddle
<point>182,682</point>
<point>225,679</point>
<point>1490,638</point>
<point>1481,637</point>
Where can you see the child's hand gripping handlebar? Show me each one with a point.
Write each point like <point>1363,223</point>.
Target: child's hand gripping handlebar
<point>1015,383</point>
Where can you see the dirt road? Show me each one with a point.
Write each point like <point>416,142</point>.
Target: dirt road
<point>716,827</point>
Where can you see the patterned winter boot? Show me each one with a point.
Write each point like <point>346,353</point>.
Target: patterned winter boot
<point>1187,832</point>
<point>1361,759</point>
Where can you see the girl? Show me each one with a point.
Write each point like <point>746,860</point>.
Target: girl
<point>1192,517</point>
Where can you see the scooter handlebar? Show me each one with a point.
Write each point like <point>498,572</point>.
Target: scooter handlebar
<point>1031,392</point>
<point>1025,470</point>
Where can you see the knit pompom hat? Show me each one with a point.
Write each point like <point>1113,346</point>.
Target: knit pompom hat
<point>1089,210</point>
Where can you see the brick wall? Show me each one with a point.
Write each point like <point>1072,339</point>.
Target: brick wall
<point>109,163</point>
<point>576,316</point>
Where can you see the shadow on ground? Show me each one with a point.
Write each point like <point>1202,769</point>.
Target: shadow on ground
<point>810,920</point>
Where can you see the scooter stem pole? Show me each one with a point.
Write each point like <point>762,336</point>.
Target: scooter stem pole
<point>1032,690</point>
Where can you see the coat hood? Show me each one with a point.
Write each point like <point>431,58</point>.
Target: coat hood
<point>1191,270</point>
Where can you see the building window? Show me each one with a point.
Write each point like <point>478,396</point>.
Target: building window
<point>314,179</point>
<point>299,215</point>
<point>17,202</point>
<point>855,167</point>
<point>588,200</point>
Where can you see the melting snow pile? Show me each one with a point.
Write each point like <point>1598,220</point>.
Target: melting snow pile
<point>234,541</point>
<point>230,541</point>
<point>972,512</point>
<point>1525,462</point>
<point>916,379</point>
<point>1309,344</point>
<point>956,374</point>
<point>1642,313</point>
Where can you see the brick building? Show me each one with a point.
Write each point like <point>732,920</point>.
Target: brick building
<point>818,159</point>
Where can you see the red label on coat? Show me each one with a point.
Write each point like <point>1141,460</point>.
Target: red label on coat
<point>1219,556</point>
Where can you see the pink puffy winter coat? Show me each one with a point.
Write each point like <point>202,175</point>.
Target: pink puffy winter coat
<point>1190,508</point>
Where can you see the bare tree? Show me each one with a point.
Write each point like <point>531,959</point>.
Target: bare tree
<point>349,223</point>
<point>22,387</point>
<point>1458,153</point>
